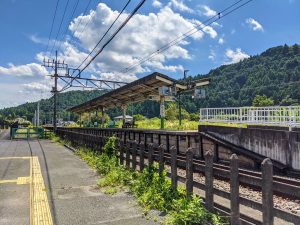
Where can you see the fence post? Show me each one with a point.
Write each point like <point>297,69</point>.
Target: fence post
<point>241,115</point>
<point>209,179</point>
<point>267,192</point>
<point>134,146</point>
<point>161,151</point>
<point>216,152</point>
<point>201,147</point>
<point>142,156</point>
<point>128,154</point>
<point>234,190</point>
<point>173,152</point>
<point>150,154</point>
<point>189,172</point>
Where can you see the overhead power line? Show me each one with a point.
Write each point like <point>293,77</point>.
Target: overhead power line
<point>67,26</point>
<point>228,10</point>
<point>53,20</point>
<point>108,41</point>
<point>78,24</point>
<point>115,33</point>
<point>61,22</point>
<point>101,39</point>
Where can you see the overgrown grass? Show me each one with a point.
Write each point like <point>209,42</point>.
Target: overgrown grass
<point>154,123</point>
<point>152,190</point>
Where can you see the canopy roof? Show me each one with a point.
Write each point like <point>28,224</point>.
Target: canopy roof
<point>137,91</point>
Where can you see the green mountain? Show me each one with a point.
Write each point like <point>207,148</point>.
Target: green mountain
<point>64,101</point>
<point>274,73</point>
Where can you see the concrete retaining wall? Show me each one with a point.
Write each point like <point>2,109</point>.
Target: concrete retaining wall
<point>278,144</point>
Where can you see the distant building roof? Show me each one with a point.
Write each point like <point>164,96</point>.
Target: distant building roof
<point>121,117</point>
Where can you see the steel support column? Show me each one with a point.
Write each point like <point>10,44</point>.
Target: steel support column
<point>162,112</point>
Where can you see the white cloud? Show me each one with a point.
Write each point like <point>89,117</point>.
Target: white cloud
<point>115,77</point>
<point>145,33</point>
<point>35,87</point>
<point>207,11</point>
<point>142,35</point>
<point>212,55</point>
<point>215,24</point>
<point>27,70</point>
<point>179,4</point>
<point>207,29</point>
<point>235,56</point>
<point>221,40</point>
<point>255,25</point>
<point>34,38</point>
<point>156,4</point>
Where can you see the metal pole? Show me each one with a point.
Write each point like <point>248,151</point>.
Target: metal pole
<point>38,114</point>
<point>162,112</point>
<point>34,119</point>
<point>55,95</point>
<point>124,114</point>
<point>102,117</point>
<point>179,105</point>
<point>80,120</point>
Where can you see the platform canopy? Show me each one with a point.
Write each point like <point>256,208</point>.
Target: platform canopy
<point>140,90</point>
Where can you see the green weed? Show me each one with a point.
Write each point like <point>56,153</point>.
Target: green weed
<point>152,190</point>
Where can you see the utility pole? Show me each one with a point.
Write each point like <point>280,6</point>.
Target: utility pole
<point>55,94</point>
<point>75,76</point>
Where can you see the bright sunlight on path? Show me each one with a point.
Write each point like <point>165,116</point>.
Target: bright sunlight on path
<point>42,182</point>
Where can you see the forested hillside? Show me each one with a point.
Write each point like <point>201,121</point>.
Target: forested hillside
<point>65,101</point>
<point>274,73</point>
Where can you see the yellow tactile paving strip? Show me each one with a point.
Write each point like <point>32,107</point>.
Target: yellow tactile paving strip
<point>20,180</point>
<point>8,181</point>
<point>40,213</point>
<point>5,158</point>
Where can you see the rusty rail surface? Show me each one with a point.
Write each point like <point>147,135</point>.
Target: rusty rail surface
<point>133,152</point>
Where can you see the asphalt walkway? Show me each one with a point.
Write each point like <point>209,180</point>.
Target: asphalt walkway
<point>42,182</point>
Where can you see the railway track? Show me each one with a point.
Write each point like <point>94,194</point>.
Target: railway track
<point>283,186</point>
<point>249,180</point>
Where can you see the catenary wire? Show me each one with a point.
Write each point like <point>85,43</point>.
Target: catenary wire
<point>66,29</point>
<point>53,20</point>
<point>101,39</point>
<point>78,25</point>
<point>109,40</point>
<point>194,30</point>
<point>63,17</point>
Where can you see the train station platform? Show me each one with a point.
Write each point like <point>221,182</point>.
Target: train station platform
<point>42,182</point>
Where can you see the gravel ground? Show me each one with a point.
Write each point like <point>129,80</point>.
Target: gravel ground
<point>246,192</point>
<point>286,204</point>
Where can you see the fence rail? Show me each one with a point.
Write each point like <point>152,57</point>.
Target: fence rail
<point>133,154</point>
<point>275,115</point>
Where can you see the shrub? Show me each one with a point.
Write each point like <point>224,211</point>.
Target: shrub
<point>194,117</point>
<point>139,117</point>
<point>152,190</point>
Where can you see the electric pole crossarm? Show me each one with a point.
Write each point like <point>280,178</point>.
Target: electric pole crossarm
<point>92,79</point>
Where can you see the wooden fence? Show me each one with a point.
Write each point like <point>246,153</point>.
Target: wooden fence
<point>136,154</point>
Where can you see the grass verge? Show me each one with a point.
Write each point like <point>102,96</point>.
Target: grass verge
<point>152,190</point>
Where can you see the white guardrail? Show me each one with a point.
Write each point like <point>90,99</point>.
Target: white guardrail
<point>274,115</point>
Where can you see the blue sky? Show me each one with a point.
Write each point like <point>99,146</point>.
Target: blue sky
<point>25,27</point>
